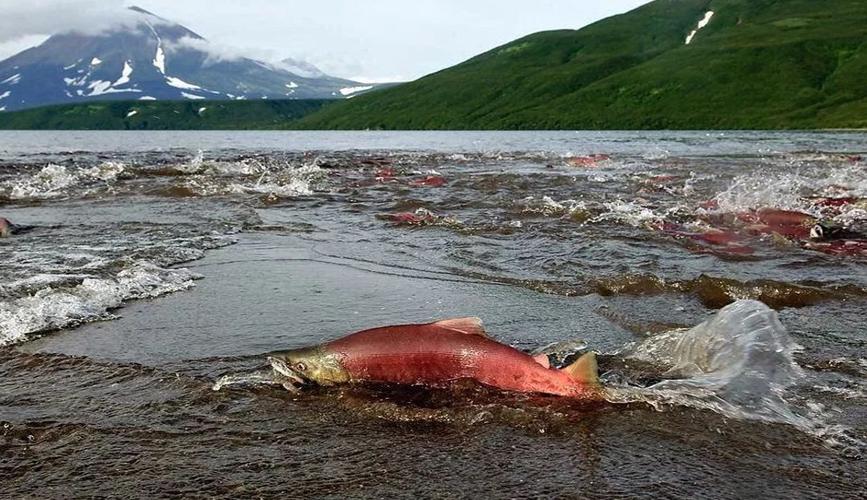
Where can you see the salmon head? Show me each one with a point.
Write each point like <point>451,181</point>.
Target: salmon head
<point>5,227</point>
<point>308,366</point>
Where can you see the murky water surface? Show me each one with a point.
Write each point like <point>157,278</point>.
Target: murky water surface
<point>149,269</point>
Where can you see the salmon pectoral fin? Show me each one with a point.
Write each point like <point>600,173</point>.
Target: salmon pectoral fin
<point>470,326</point>
<point>585,370</point>
<point>543,360</point>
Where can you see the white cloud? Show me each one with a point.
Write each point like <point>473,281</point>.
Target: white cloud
<point>11,47</point>
<point>374,39</point>
<point>216,52</point>
<point>46,17</point>
<point>380,38</point>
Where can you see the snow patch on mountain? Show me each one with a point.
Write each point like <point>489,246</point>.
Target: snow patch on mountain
<point>160,60</point>
<point>701,24</point>
<point>125,74</point>
<point>151,58</point>
<point>12,80</point>
<point>353,90</point>
<point>102,87</point>
<point>180,84</point>
<point>6,94</point>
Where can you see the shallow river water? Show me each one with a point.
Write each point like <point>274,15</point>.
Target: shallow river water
<point>153,272</point>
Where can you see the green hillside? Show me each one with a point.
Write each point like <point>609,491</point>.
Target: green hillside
<point>163,115</point>
<point>758,64</point>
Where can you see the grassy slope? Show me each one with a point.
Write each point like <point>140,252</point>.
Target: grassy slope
<point>162,115</point>
<point>759,64</point>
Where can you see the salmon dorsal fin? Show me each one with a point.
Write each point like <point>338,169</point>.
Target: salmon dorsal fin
<point>584,370</point>
<point>470,326</point>
<point>543,360</point>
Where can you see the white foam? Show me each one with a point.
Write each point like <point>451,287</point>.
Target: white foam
<point>48,183</point>
<point>548,206</point>
<point>628,212</point>
<point>54,180</point>
<point>106,171</point>
<point>788,190</point>
<point>51,309</point>
<point>287,182</point>
<point>701,24</point>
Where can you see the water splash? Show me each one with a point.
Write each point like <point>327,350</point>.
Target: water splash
<point>628,212</point>
<point>55,181</point>
<point>257,378</point>
<point>91,300</point>
<point>550,207</point>
<point>792,189</point>
<point>740,364</point>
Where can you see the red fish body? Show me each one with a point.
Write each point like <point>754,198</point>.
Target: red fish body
<point>431,355</point>
<point>430,181</point>
<point>437,354</point>
<point>588,161</point>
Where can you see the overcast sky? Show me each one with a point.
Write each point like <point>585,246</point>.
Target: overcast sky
<point>378,40</point>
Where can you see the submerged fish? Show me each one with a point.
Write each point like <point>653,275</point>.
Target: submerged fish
<point>434,354</point>
<point>5,227</point>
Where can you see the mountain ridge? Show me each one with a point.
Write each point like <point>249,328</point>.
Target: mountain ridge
<point>150,58</point>
<point>752,64</point>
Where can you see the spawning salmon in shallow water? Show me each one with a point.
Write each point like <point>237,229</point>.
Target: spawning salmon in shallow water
<point>123,305</point>
<point>434,354</point>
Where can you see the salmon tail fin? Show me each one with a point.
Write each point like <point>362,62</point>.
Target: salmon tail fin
<point>470,326</point>
<point>585,370</point>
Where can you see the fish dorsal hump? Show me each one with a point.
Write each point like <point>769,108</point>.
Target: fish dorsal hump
<point>585,370</point>
<point>543,360</point>
<point>470,326</point>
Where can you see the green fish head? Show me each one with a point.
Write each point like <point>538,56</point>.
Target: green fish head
<point>308,366</point>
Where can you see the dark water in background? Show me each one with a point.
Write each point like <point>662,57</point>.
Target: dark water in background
<point>279,240</point>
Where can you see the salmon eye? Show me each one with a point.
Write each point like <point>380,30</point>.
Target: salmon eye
<point>301,367</point>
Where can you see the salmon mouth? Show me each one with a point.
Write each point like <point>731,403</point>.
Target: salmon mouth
<point>290,378</point>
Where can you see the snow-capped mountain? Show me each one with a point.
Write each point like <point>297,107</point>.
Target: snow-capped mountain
<point>152,59</point>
